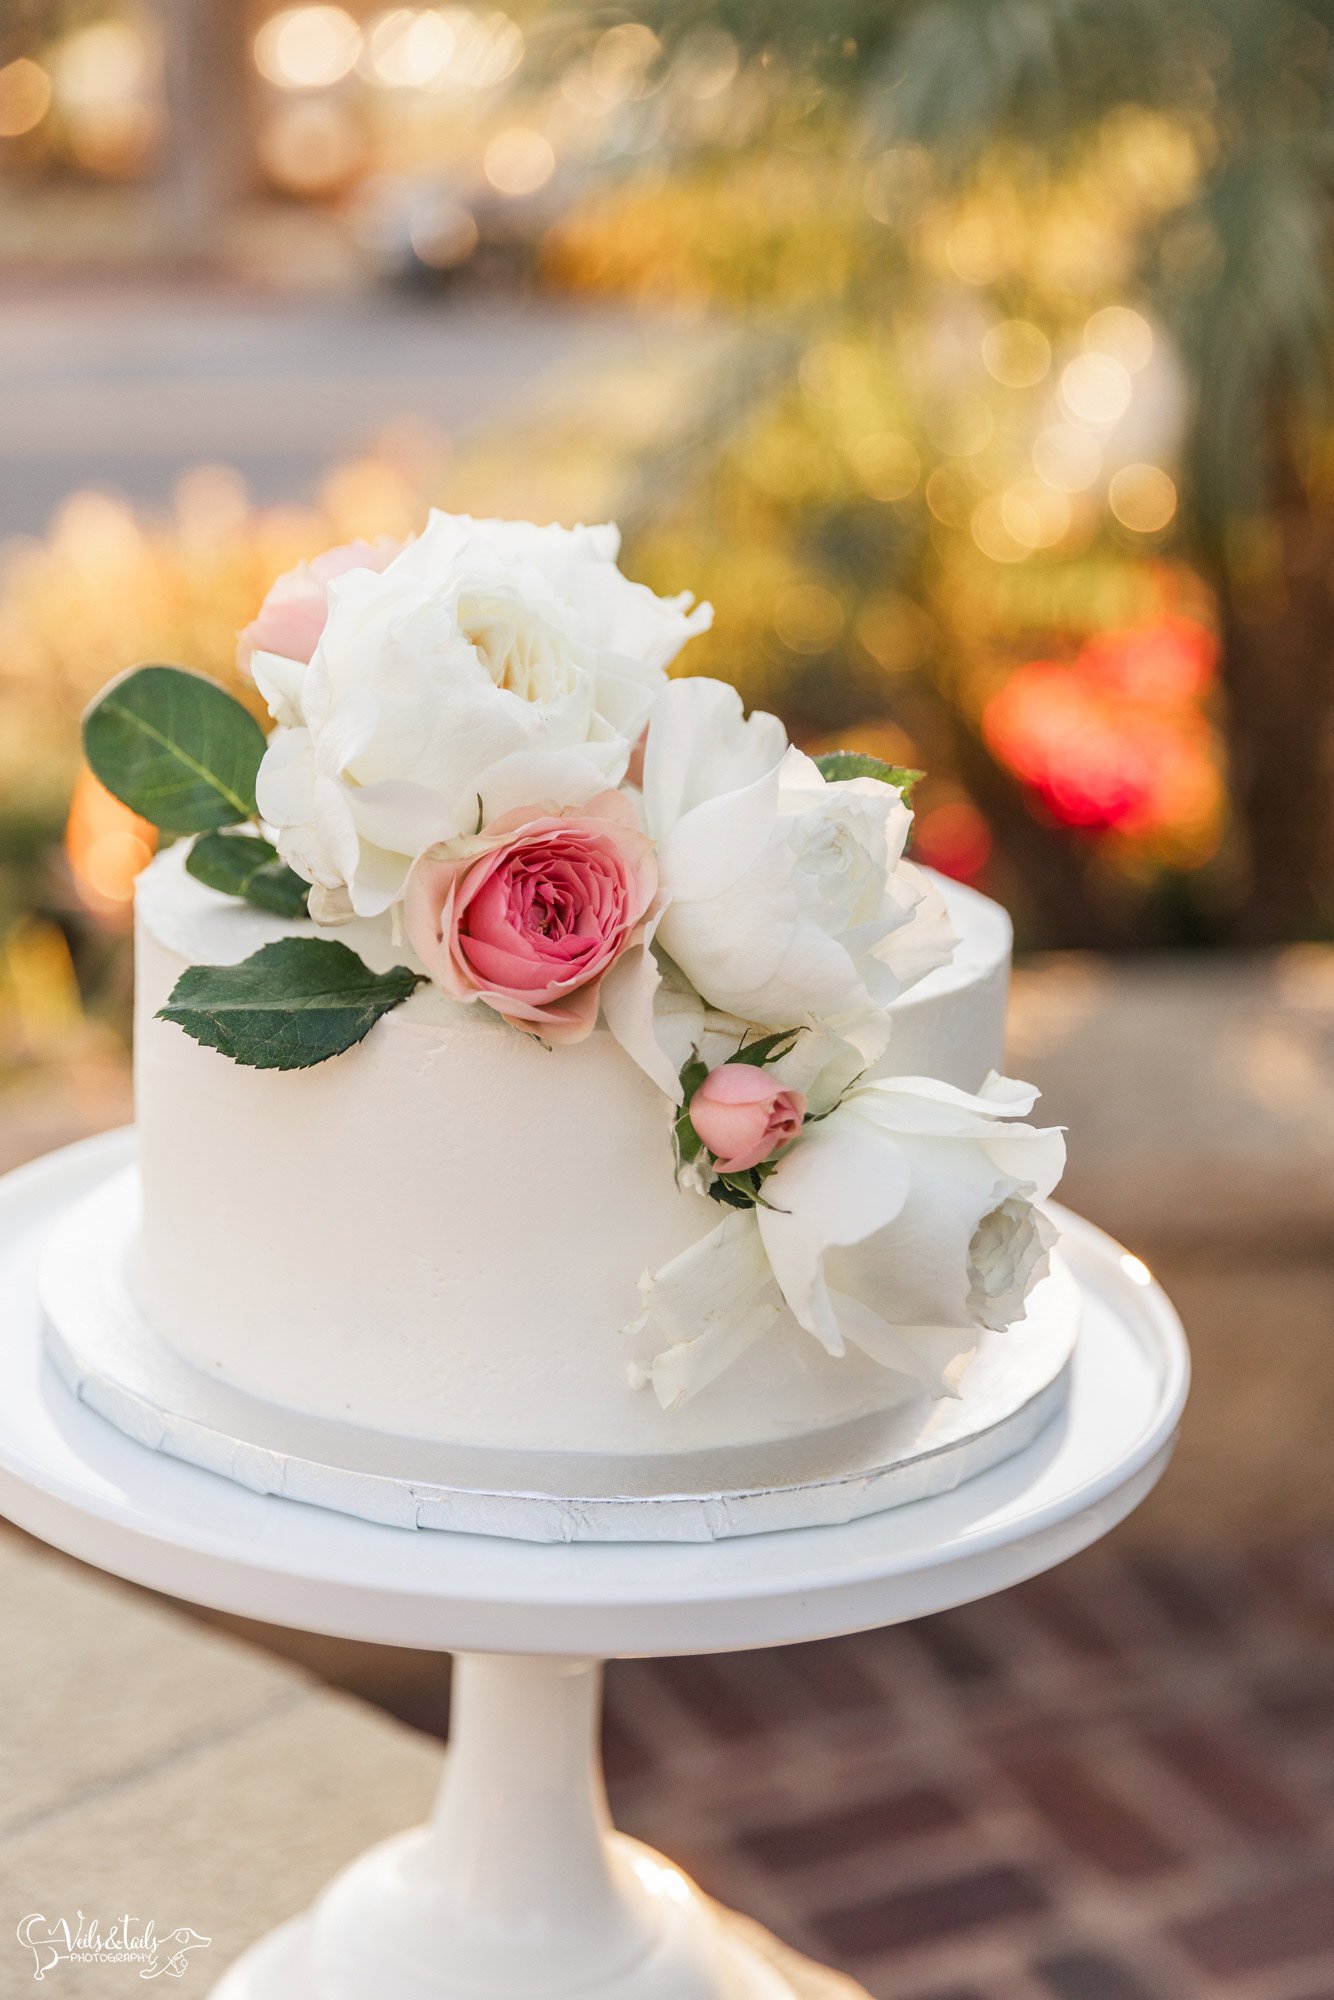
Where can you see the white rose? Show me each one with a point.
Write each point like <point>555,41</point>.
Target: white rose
<point>901,1224</point>
<point>1010,1247</point>
<point>786,900</point>
<point>483,643</point>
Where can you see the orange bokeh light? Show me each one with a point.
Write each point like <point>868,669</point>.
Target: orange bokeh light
<point>953,838</point>
<point>1116,741</point>
<point>107,845</point>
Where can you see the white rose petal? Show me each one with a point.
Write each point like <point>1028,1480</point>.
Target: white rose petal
<point>483,643</point>
<point>903,1223</point>
<point>786,897</point>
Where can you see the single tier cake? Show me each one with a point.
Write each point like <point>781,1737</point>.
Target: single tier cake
<point>560,1072</point>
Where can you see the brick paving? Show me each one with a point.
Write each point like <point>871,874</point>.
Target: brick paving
<point>1114,1783</point>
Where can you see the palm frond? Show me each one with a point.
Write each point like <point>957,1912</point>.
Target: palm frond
<point>1256,330</point>
<point>964,73</point>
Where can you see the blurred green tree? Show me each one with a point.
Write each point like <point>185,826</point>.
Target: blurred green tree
<point>1241,271</point>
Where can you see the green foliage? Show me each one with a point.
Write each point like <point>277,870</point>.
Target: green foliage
<point>241,864</point>
<point>290,1005</point>
<point>176,748</point>
<point>838,765</point>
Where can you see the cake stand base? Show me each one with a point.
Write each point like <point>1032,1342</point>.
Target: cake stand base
<point>518,1889</point>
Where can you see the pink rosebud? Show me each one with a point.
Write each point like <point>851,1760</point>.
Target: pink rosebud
<point>531,913</point>
<point>292,617</point>
<point>743,1116</point>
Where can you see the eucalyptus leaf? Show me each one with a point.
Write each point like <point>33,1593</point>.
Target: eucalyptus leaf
<point>176,748</point>
<point>241,864</point>
<point>290,1005</point>
<point>837,765</point>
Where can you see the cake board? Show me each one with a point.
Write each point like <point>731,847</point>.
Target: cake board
<point>518,1890</point>
<point>111,1359</point>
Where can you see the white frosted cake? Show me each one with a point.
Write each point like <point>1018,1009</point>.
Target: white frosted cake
<point>623,1115</point>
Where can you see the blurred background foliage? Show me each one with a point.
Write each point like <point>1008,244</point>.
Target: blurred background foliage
<point>998,428</point>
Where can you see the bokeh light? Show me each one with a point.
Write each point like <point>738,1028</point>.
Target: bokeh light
<point>888,465</point>
<point>409,48</point>
<point>488,48</point>
<point>808,618</point>
<point>1143,498</point>
<point>1123,334</point>
<point>310,146</point>
<point>1036,515</point>
<point>621,60</point>
<point>519,160</point>
<point>1016,353</point>
<point>1068,457</point>
<point>307,48</point>
<point>953,838</point>
<point>1114,742</point>
<point>1097,389</point>
<point>25,97</point>
<point>107,845</point>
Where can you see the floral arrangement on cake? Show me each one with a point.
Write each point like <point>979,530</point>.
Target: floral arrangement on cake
<point>477,749</point>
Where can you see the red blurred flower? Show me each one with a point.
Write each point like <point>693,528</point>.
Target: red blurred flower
<point>1116,741</point>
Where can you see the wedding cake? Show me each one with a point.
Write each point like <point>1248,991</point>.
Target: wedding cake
<point>544,1070</point>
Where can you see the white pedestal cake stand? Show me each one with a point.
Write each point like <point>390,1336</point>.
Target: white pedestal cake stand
<point>518,1889</point>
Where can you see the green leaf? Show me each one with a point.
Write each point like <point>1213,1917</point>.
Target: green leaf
<point>241,864</point>
<point>176,748</point>
<point>836,765</point>
<point>768,1049</point>
<point>692,1076</point>
<point>689,1145</point>
<point>290,1005</point>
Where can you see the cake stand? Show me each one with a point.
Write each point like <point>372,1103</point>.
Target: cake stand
<point>518,1889</point>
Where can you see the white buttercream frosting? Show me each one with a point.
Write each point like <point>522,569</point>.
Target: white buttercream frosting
<point>441,1232</point>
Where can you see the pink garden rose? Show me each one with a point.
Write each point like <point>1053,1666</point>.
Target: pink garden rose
<point>292,617</point>
<point>531,913</point>
<point>744,1116</point>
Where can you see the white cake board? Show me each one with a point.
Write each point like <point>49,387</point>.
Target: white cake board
<point>111,1359</point>
<point>518,1891</point>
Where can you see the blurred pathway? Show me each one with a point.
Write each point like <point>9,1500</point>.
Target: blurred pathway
<point>126,386</point>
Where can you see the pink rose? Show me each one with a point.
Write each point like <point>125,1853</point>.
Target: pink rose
<point>533,911</point>
<point>292,617</point>
<point>743,1116</point>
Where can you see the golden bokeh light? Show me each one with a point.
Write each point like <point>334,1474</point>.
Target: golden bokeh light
<point>445,236</point>
<point>962,428</point>
<point>808,618</point>
<point>951,495</point>
<point>1143,498</point>
<point>706,63</point>
<point>102,66</point>
<point>519,160</point>
<point>973,251</point>
<point>992,534</point>
<point>887,464</point>
<point>310,146</point>
<point>25,97</point>
<point>1067,457</point>
<point>1016,353</point>
<point>487,47</point>
<point>1034,514</point>
<point>896,183</point>
<point>1123,334</point>
<point>1097,389</point>
<point>620,61</point>
<point>409,48</point>
<point>107,846</point>
<point>307,48</point>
